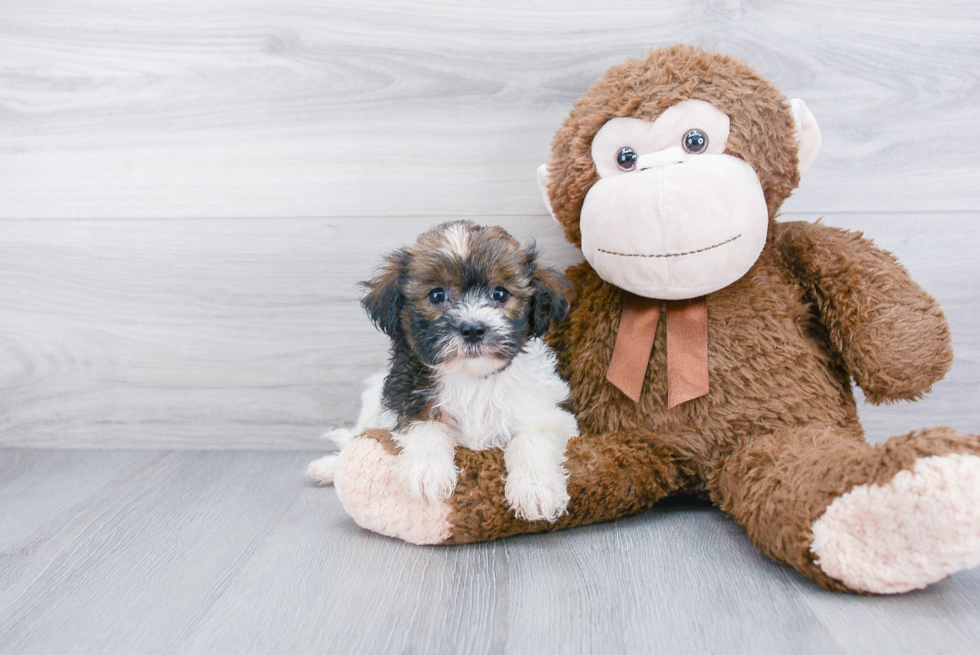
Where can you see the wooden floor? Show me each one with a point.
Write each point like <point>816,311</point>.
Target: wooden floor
<point>189,192</point>
<point>234,552</point>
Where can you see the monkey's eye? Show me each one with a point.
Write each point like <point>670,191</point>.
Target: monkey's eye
<point>626,159</point>
<point>695,142</point>
<point>500,295</point>
<point>437,296</point>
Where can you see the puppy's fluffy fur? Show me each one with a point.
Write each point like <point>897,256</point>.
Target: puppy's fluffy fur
<point>465,309</point>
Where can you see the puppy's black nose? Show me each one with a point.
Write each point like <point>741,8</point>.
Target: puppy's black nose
<point>473,332</point>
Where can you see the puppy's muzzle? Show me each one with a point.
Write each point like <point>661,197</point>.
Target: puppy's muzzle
<point>473,332</point>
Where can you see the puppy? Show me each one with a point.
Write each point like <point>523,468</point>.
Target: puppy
<point>466,308</point>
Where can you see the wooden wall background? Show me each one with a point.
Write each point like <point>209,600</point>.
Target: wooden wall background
<point>189,189</point>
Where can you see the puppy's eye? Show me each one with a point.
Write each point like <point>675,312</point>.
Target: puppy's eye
<point>500,295</point>
<point>437,296</point>
<point>695,141</point>
<point>626,159</point>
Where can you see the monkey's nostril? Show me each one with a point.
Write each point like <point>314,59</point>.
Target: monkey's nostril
<point>473,332</point>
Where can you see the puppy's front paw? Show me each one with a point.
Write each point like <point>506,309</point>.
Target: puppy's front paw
<point>427,478</point>
<point>538,495</point>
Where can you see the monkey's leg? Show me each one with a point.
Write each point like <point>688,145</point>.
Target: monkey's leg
<point>881,519</point>
<point>610,476</point>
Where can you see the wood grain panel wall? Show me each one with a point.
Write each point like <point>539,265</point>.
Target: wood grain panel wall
<point>189,190</point>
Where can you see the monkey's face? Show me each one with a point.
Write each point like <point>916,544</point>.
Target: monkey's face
<point>672,216</point>
<point>669,170</point>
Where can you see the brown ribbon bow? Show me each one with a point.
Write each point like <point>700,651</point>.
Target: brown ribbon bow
<point>687,347</point>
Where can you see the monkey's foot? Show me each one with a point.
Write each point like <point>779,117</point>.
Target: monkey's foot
<point>372,494</point>
<point>915,530</point>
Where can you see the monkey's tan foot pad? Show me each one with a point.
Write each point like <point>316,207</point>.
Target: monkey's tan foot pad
<point>371,494</point>
<point>915,530</point>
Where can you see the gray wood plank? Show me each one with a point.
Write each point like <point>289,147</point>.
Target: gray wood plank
<point>627,587</point>
<point>679,579</point>
<point>369,108</point>
<point>235,552</point>
<point>247,333</point>
<point>69,478</point>
<point>943,618</point>
<point>133,567</point>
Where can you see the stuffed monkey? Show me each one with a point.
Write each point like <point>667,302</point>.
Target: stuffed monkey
<point>710,349</point>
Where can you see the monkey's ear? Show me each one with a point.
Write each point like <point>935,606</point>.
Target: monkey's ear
<point>544,177</point>
<point>807,134</point>
<point>382,299</point>
<point>550,303</point>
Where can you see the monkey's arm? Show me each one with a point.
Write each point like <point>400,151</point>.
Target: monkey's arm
<point>891,333</point>
<point>610,476</point>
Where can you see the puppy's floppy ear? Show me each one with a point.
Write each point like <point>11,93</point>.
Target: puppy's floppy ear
<point>382,299</point>
<point>551,290</point>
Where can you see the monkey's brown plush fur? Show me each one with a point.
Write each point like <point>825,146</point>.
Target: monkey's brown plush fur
<point>777,439</point>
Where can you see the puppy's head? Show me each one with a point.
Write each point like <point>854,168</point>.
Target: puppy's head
<point>465,297</point>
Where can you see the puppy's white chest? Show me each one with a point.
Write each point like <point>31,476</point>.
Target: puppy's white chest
<point>479,420</point>
<point>487,412</point>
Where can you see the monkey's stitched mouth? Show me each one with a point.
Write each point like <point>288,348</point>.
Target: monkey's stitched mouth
<point>670,254</point>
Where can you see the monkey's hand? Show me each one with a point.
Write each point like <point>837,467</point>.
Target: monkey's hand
<point>892,335</point>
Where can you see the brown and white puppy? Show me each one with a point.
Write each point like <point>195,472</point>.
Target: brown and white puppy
<point>465,308</point>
